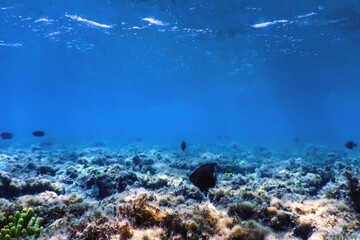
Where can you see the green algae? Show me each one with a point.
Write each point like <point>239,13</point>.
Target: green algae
<point>290,182</point>
<point>229,175</point>
<point>21,224</point>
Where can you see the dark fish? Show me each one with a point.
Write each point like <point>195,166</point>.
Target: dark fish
<point>6,135</point>
<point>38,133</point>
<point>183,146</point>
<point>296,139</point>
<point>350,144</point>
<point>204,177</point>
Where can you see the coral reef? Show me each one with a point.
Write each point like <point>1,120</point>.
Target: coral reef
<point>133,191</point>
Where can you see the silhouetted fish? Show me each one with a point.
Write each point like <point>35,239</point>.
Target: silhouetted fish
<point>204,177</point>
<point>6,135</point>
<point>296,139</point>
<point>38,133</point>
<point>183,146</point>
<point>350,144</point>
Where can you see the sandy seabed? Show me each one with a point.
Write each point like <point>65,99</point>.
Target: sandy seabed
<point>142,191</point>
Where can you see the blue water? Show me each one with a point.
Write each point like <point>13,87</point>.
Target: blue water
<point>256,71</point>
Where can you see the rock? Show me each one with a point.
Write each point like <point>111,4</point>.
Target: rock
<point>136,160</point>
<point>354,190</point>
<point>303,231</point>
<point>312,182</point>
<point>243,210</point>
<point>97,161</point>
<point>189,193</point>
<point>13,187</point>
<point>149,162</point>
<point>107,183</point>
<point>156,183</point>
<point>31,166</point>
<point>47,170</point>
<point>71,172</point>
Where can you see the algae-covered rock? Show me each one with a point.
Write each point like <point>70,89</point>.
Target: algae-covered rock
<point>248,231</point>
<point>243,210</point>
<point>11,187</point>
<point>106,181</point>
<point>354,190</point>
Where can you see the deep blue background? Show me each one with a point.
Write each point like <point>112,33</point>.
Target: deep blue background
<point>207,73</point>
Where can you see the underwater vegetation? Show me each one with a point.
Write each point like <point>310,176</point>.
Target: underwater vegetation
<point>21,224</point>
<point>100,192</point>
<point>354,188</point>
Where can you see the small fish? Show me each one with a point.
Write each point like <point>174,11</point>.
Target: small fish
<point>6,135</point>
<point>350,144</point>
<point>38,133</point>
<point>183,146</point>
<point>296,139</point>
<point>204,177</point>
